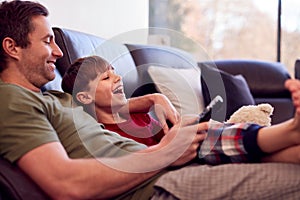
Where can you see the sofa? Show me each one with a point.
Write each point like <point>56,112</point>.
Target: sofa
<point>238,82</point>
<point>265,80</point>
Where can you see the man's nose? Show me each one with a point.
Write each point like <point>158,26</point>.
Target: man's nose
<point>57,51</point>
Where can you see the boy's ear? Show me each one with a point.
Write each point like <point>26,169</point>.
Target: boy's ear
<point>84,97</point>
<point>10,47</point>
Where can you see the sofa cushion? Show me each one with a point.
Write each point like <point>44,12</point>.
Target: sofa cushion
<point>181,86</point>
<point>233,89</point>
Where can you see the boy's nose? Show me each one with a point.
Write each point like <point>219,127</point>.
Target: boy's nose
<point>117,77</point>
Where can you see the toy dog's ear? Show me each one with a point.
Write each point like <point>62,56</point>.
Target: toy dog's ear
<point>265,107</point>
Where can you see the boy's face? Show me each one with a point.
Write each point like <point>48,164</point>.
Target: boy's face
<point>109,92</point>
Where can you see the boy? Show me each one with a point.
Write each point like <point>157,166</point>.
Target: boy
<point>100,91</point>
<point>97,88</point>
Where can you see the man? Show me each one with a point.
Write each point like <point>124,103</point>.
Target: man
<point>55,144</point>
<point>44,132</point>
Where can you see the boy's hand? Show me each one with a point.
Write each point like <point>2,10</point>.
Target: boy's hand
<point>165,112</point>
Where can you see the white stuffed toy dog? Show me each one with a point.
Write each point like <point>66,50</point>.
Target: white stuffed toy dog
<point>257,114</point>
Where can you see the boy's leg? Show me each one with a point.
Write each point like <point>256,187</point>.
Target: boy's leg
<point>240,143</point>
<point>280,136</point>
<point>290,155</point>
<point>286,134</point>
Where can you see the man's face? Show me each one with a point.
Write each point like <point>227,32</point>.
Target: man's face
<point>37,60</point>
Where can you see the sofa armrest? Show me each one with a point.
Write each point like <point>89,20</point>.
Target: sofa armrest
<point>297,69</point>
<point>265,79</point>
<point>16,185</point>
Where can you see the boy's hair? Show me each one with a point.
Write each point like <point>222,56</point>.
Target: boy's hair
<point>81,72</point>
<point>15,22</point>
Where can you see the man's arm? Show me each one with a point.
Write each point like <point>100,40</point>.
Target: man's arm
<point>64,178</point>
<point>162,106</point>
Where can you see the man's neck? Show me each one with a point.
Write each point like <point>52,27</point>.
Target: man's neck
<point>16,78</point>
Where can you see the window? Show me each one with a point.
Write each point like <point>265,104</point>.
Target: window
<point>234,29</point>
<point>290,33</point>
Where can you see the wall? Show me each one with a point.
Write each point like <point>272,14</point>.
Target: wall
<point>105,18</point>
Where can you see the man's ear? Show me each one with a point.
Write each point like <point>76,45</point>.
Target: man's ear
<point>10,47</point>
<point>84,97</point>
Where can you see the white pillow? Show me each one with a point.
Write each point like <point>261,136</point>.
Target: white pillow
<point>181,86</point>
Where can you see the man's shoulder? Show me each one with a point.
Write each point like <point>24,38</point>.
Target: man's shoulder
<point>11,92</point>
<point>57,94</point>
<point>64,98</point>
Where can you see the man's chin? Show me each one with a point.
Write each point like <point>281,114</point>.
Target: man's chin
<point>52,76</point>
<point>47,80</point>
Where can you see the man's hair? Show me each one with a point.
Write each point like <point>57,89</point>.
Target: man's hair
<point>15,22</point>
<point>81,72</point>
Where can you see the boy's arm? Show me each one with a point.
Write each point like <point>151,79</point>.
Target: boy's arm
<point>161,105</point>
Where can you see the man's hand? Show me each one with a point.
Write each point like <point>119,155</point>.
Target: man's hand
<point>184,139</point>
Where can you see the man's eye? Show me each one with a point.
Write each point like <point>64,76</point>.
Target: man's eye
<point>47,42</point>
<point>105,78</point>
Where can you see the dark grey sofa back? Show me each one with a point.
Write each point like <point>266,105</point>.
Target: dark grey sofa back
<point>76,44</point>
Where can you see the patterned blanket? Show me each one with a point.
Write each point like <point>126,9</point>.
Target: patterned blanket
<point>231,181</point>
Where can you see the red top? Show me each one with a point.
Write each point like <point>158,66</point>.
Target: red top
<point>140,127</point>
